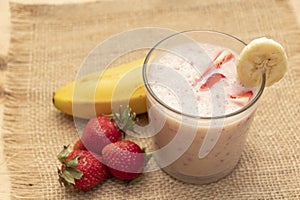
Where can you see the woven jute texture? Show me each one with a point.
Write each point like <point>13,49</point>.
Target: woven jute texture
<point>48,45</point>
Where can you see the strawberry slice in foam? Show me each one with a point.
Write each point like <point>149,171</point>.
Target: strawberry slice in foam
<point>220,59</point>
<point>242,98</point>
<point>213,79</point>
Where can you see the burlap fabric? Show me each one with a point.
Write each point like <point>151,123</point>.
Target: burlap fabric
<point>49,42</point>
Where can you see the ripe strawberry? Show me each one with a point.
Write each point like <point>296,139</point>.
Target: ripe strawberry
<point>78,145</point>
<point>99,132</point>
<point>213,79</point>
<point>81,168</point>
<point>103,130</point>
<point>125,159</point>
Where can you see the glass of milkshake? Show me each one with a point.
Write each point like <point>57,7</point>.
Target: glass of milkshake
<point>199,110</point>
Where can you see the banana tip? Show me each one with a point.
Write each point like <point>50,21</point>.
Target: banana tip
<point>53,100</point>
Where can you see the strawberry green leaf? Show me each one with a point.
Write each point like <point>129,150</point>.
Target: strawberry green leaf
<point>63,154</point>
<point>67,176</point>
<point>147,156</point>
<point>75,173</point>
<point>134,181</point>
<point>73,162</point>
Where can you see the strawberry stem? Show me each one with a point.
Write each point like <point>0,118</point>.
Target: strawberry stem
<point>62,156</point>
<point>125,120</point>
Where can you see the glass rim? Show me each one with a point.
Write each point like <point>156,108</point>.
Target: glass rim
<point>153,95</point>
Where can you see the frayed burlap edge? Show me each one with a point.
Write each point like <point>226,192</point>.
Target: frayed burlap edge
<point>15,88</point>
<point>4,174</point>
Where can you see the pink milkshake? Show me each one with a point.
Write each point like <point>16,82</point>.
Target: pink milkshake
<point>200,110</point>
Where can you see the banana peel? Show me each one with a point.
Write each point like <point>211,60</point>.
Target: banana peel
<point>102,92</point>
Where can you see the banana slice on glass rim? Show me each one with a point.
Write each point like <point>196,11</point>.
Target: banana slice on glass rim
<point>259,56</point>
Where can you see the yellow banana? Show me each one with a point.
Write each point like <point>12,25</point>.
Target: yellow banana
<point>262,55</point>
<point>101,92</point>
